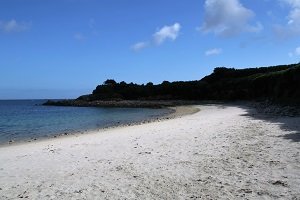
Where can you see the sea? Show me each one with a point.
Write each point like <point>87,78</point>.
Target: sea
<point>28,120</point>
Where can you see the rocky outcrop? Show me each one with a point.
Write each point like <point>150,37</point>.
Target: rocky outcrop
<point>121,103</point>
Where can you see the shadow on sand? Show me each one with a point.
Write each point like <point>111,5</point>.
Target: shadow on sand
<point>290,124</point>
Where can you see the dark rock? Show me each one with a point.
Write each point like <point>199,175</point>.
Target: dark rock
<point>279,182</point>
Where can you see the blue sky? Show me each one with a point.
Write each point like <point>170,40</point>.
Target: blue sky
<point>65,48</point>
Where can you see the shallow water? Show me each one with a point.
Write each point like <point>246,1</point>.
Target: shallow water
<point>27,119</point>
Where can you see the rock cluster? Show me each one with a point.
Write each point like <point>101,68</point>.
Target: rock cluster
<point>270,108</point>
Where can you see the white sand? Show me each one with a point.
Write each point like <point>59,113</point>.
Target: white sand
<point>217,153</point>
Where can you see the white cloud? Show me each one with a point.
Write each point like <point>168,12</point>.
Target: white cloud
<point>167,32</point>
<point>213,52</point>
<point>12,26</point>
<point>139,46</point>
<point>292,27</point>
<point>228,18</point>
<point>79,36</point>
<point>294,17</point>
<point>160,36</point>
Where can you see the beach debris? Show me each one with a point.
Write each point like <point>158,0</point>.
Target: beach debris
<point>245,190</point>
<point>194,197</point>
<point>146,152</point>
<point>21,196</point>
<point>78,191</point>
<point>279,182</point>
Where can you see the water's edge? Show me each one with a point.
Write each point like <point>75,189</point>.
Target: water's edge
<point>173,112</point>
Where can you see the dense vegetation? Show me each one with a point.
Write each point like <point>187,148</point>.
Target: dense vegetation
<point>277,83</point>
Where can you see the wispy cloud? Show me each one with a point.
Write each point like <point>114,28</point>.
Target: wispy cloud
<point>296,52</point>
<point>92,23</point>
<point>139,46</point>
<point>228,18</point>
<point>79,37</point>
<point>12,26</point>
<point>86,34</point>
<point>293,3</point>
<point>163,34</point>
<point>167,33</point>
<point>292,26</point>
<point>213,52</point>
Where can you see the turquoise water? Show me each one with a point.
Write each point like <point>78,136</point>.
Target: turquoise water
<point>28,119</point>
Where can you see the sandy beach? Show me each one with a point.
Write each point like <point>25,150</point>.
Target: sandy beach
<point>221,152</point>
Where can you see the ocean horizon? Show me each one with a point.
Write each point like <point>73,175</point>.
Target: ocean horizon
<point>26,120</point>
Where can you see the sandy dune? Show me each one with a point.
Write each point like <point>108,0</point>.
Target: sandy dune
<point>221,152</point>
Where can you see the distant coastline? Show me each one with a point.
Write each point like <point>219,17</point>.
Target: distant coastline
<point>122,103</point>
<point>275,84</point>
<point>272,90</point>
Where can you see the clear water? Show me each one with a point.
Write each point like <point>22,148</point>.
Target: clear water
<point>27,119</point>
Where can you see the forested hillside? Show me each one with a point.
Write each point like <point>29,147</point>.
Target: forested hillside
<point>280,83</point>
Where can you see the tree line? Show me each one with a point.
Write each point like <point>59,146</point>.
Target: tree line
<point>277,83</point>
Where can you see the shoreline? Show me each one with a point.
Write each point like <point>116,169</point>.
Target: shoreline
<point>222,152</point>
<point>175,112</point>
<point>177,109</point>
<point>122,103</point>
